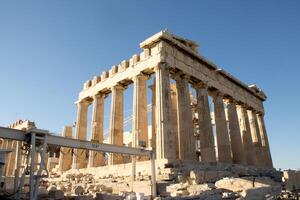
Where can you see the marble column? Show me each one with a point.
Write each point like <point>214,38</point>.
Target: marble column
<point>65,156</point>
<point>186,138</point>
<point>153,108</point>
<point>165,143</point>
<point>140,114</point>
<point>96,157</point>
<point>235,133</point>
<point>246,134</point>
<point>256,139</point>
<point>79,156</point>
<point>224,151</point>
<point>207,142</point>
<point>116,123</point>
<point>174,103</point>
<point>265,142</point>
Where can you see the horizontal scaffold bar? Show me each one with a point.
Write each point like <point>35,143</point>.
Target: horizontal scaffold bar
<point>53,140</point>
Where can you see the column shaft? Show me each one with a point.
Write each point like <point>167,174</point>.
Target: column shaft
<point>224,151</point>
<point>153,137</point>
<point>96,158</point>
<point>79,157</point>
<point>174,112</point>
<point>186,138</point>
<point>207,142</point>
<point>140,115</point>
<point>235,134</point>
<point>256,139</point>
<point>116,123</point>
<point>165,144</point>
<point>265,142</point>
<point>246,135</point>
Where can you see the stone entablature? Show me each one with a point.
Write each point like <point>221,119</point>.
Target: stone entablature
<point>166,48</point>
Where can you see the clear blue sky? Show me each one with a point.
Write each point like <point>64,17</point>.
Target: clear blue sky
<point>49,48</point>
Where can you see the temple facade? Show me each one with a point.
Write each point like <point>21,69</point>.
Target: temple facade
<point>183,127</point>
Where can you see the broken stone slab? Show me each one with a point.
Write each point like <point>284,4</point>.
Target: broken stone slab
<point>84,197</point>
<point>56,194</point>
<point>198,189</point>
<point>43,192</point>
<point>240,184</point>
<point>102,196</point>
<point>78,190</point>
<point>261,193</point>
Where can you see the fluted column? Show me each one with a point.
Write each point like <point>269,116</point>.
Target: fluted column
<point>174,103</point>
<point>140,115</point>
<point>186,138</point>
<point>79,156</point>
<point>264,141</point>
<point>235,133</point>
<point>65,157</point>
<point>153,108</point>
<point>165,144</point>
<point>96,158</point>
<point>256,139</point>
<point>116,123</point>
<point>207,142</point>
<point>246,134</point>
<point>224,151</point>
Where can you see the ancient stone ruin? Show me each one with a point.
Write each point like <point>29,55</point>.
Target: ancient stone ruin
<point>207,131</point>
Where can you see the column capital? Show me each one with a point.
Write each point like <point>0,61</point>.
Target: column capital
<point>217,93</point>
<point>230,100</point>
<point>98,95</point>
<point>262,114</point>
<point>200,85</point>
<point>242,105</point>
<point>82,102</point>
<point>118,86</point>
<point>140,76</point>
<point>161,65</point>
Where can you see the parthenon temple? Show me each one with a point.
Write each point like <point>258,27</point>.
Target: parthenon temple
<point>197,123</point>
<point>186,127</point>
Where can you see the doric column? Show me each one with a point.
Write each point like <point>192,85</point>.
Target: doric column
<point>153,108</point>
<point>235,133</point>
<point>264,141</point>
<point>246,134</point>
<point>116,123</point>
<point>79,157</point>
<point>224,152</point>
<point>186,138</point>
<point>256,139</point>
<point>207,142</point>
<point>165,144</point>
<point>174,103</point>
<point>140,115</point>
<point>65,157</point>
<point>96,158</point>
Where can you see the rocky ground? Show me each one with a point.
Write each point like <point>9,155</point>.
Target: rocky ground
<point>86,187</point>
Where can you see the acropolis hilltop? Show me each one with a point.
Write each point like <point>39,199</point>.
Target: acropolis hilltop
<point>206,139</point>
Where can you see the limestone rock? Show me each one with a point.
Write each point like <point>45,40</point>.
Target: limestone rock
<point>78,190</point>
<point>250,188</point>
<point>198,189</point>
<point>56,194</point>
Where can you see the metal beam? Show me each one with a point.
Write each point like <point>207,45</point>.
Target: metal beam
<point>13,134</point>
<point>53,140</point>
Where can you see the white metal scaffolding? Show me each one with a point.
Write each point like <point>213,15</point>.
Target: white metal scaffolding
<point>40,139</point>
